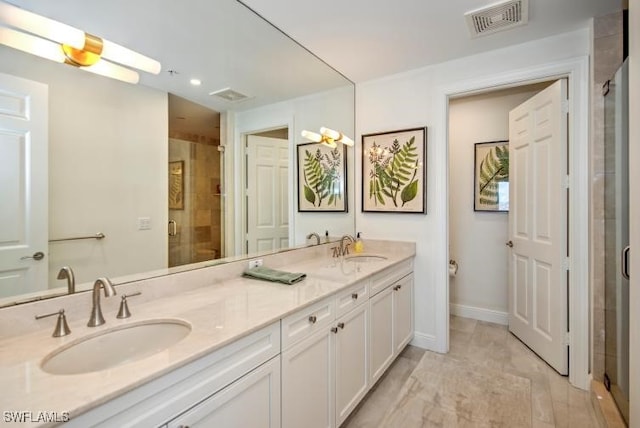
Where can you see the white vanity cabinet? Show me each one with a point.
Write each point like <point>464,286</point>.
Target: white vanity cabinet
<point>324,372</point>
<point>391,320</point>
<point>251,401</point>
<point>222,386</point>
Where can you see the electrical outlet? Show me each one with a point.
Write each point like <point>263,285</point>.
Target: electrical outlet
<point>255,263</point>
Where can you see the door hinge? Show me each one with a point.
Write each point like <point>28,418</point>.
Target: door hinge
<point>567,339</point>
<point>565,263</point>
<point>566,181</point>
<point>565,106</point>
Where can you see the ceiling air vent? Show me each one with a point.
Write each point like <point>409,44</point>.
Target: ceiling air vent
<point>229,94</point>
<point>497,17</point>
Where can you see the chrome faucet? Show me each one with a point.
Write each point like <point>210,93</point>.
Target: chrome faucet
<point>314,235</point>
<point>96,317</point>
<point>344,249</point>
<point>67,273</point>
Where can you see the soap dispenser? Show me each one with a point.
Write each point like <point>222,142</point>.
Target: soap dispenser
<point>358,246</point>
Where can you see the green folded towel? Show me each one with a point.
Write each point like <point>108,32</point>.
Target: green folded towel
<point>273,275</point>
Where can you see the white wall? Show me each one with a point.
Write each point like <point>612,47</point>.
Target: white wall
<point>477,239</point>
<point>634,214</point>
<point>410,100</point>
<point>333,109</point>
<point>107,167</point>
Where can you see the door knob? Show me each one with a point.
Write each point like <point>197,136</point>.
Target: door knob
<point>36,256</point>
<point>509,244</point>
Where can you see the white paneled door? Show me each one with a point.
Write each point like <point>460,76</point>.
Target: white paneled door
<point>23,185</point>
<point>538,224</point>
<point>267,194</point>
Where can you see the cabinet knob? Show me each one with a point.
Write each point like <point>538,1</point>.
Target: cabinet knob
<point>313,319</point>
<point>341,325</point>
<point>334,329</point>
<point>354,296</point>
<point>397,287</point>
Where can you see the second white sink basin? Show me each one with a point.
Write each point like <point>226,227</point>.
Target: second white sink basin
<point>116,346</point>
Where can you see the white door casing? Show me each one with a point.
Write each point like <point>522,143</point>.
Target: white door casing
<point>538,224</point>
<point>267,194</point>
<point>23,185</point>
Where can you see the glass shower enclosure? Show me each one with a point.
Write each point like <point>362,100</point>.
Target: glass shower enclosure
<point>617,239</point>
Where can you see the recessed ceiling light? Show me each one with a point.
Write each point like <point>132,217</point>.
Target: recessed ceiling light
<point>196,82</point>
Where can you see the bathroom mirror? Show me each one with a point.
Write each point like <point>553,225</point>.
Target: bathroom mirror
<point>109,165</point>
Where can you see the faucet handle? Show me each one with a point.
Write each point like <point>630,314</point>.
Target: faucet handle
<point>124,312</point>
<point>62,328</point>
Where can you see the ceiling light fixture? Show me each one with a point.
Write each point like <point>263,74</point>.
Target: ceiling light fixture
<point>55,41</point>
<point>195,82</point>
<point>328,137</point>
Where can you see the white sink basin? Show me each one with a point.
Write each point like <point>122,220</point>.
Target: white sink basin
<point>364,258</point>
<point>114,347</point>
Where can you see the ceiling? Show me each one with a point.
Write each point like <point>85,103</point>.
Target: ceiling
<point>368,39</point>
<point>225,45</point>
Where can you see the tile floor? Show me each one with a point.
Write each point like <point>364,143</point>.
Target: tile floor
<point>488,379</point>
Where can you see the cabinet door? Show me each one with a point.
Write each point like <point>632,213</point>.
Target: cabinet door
<point>352,376</point>
<point>381,347</point>
<point>402,312</point>
<point>307,382</point>
<point>251,401</point>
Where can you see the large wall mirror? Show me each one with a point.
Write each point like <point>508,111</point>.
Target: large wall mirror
<point>161,168</point>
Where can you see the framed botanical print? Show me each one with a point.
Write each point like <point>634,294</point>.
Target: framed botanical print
<point>394,171</point>
<point>491,176</point>
<point>322,178</point>
<point>176,185</point>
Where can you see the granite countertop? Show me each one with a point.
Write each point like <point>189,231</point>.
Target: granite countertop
<point>218,315</point>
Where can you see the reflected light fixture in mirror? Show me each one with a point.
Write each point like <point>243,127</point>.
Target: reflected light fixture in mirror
<point>328,137</point>
<point>55,41</point>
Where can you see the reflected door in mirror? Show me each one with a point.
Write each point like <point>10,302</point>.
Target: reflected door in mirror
<point>267,194</point>
<point>23,182</point>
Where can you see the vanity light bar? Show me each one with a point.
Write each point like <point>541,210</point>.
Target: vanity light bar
<point>59,42</point>
<point>328,137</point>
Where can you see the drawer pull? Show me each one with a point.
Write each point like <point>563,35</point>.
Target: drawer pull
<point>354,296</point>
<point>313,319</point>
<point>334,329</point>
<point>397,287</point>
<point>341,325</point>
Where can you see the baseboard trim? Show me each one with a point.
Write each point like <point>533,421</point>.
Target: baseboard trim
<point>605,408</point>
<point>424,341</point>
<point>480,314</point>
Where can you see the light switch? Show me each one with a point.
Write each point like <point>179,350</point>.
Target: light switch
<point>144,223</point>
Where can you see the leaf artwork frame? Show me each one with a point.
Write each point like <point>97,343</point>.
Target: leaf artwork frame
<point>176,185</point>
<point>322,178</point>
<point>491,176</point>
<point>394,171</point>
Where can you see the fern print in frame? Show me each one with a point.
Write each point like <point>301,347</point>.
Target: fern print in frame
<point>394,175</point>
<point>322,173</point>
<point>491,176</point>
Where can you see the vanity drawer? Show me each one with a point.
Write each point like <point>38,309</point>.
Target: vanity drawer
<point>390,275</point>
<point>352,297</point>
<point>305,322</point>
